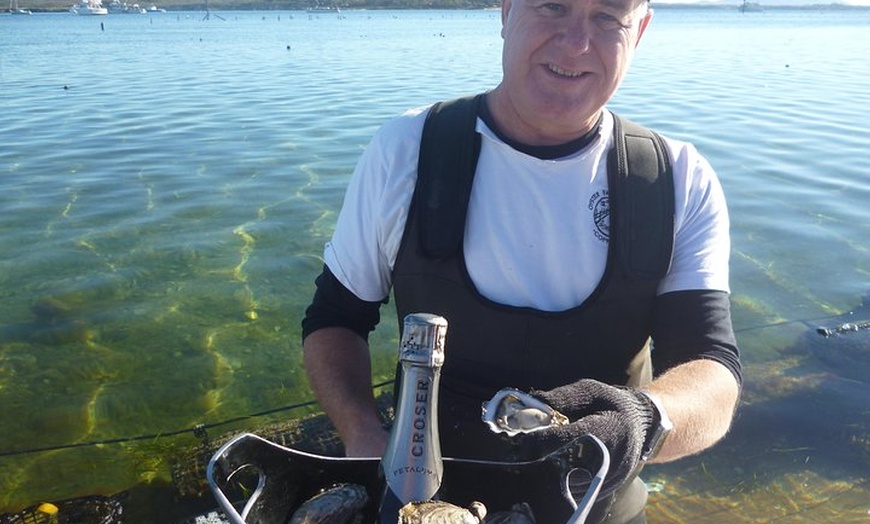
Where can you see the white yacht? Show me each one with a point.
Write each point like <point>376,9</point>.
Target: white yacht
<point>15,10</point>
<point>88,7</point>
<point>118,7</point>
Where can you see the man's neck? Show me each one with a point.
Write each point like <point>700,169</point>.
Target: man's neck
<point>547,151</point>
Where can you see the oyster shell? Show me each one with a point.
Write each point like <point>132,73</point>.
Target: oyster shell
<point>520,513</point>
<point>340,504</point>
<point>511,411</point>
<point>440,512</point>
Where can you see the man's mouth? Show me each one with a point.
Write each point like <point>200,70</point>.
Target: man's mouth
<point>564,72</point>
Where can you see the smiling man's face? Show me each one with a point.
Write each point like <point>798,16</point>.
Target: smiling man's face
<point>562,61</point>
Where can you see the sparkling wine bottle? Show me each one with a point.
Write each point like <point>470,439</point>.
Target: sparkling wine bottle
<point>412,466</point>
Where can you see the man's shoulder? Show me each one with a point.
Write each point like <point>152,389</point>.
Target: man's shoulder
<point>411,120</point>
<point>676,147</point>
<point>688,164</point>
<point>396,141</point>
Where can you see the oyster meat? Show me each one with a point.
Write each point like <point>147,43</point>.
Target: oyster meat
<point>511,411</point>
<point>340,504</point>
<point>440,512</point>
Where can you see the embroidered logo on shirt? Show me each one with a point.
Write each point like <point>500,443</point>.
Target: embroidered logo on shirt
<point>599,205</point>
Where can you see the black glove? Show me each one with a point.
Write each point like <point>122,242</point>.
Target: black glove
<point>621,417</point>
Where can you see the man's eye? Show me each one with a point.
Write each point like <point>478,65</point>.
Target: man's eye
<point>553,8</point>
<point>609,21</point>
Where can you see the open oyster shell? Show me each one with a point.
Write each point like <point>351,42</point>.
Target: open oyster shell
<point>440,512</point>
<point>512,412</point>
<point>339,504</point>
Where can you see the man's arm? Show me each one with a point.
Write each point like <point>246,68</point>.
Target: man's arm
<point>700,397</point>
<point>694,344</point>
<point>338,364</point>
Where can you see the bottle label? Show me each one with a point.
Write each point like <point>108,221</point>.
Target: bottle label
<point>421,402</point>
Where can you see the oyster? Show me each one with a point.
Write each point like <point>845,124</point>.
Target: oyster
<point>340,504</point>
<point>511,411</point>
<point>520,513</point>
<point>440,512</point>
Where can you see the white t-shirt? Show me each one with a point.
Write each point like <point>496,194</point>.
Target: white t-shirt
<point>537,230</point>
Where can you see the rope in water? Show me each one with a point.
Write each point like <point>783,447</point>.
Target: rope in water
<point>843,329</point>
<point>200,429</point>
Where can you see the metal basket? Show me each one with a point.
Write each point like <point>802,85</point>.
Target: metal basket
<point>277,479</point>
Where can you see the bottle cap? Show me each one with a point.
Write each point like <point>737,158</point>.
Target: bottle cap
<point>423,339</point>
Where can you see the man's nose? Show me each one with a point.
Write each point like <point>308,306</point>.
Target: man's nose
<point>576,36</point>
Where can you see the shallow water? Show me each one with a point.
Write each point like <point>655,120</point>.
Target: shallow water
<point>167,183</point>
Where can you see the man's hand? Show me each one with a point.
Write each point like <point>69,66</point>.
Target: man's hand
<point>369,444</point>
<point>620,417</point>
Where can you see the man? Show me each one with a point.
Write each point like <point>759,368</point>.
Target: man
<point>536,297</point>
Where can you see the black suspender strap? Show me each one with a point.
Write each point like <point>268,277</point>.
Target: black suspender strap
<point>642,209</point>
<point>448,157</point>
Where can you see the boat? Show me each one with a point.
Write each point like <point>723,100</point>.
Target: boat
<point>324,9</point>
<point>154,9</point>
<point>88,7</point>
<point>15,10</point>
<point>118,7</point>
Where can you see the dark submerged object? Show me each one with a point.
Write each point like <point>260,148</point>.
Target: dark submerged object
<point>845,344</point>
<point>280,479</point>
<point>843,329</point>
<point>54,322</point>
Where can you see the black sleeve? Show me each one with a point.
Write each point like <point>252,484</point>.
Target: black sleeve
<point>688,325</point>
<point>336,306</point>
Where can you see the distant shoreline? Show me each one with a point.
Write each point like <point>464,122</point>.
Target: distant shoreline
<point>54,6</point>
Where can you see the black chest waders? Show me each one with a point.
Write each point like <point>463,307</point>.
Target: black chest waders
<point>495,346</point>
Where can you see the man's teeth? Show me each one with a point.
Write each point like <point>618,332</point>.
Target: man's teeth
<point>564,72</point>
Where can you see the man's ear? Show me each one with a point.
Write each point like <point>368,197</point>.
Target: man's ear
<point>644,22</point>
<point>505,9</point>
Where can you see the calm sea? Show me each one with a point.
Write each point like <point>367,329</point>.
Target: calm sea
<point>167,183</point>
